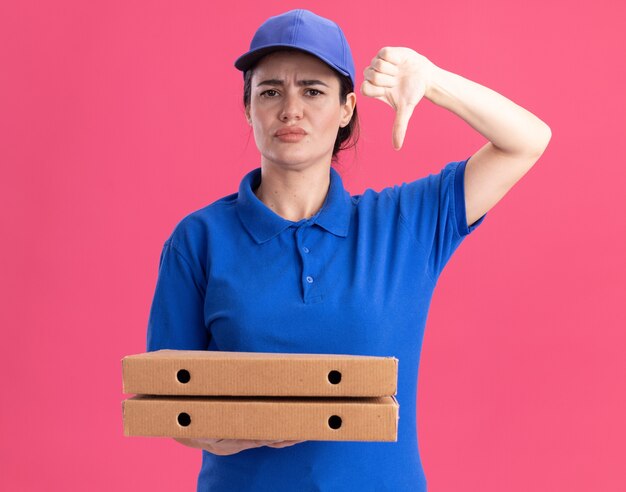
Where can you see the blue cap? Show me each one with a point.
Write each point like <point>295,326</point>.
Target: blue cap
<point>303,30</point>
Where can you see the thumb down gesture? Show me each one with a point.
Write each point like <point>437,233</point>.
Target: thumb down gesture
<point>399,77</point>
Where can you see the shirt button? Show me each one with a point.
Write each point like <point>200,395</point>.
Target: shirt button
<point>305,249</point>
<point>309,279</point>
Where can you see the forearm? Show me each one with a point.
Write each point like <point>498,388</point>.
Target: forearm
<point>505,124</point>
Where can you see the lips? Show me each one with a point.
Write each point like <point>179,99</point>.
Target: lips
<point>288,130</point>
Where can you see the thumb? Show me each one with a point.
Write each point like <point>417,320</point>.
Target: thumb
<point>403,115</point>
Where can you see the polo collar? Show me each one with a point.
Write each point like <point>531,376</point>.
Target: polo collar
<point>263,223</point>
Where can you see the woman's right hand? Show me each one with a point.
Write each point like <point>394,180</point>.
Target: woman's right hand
<point>225,447</point>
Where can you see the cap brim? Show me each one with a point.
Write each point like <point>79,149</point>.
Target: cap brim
<point>247,60</point>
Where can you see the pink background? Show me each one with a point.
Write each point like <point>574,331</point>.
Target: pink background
<point>118,118</point>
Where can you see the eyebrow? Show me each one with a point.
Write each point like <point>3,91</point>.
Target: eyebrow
<point>300,83</point>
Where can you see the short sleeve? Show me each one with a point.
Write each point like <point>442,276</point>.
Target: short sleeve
<point>433,208</point>
<point>176,318</point>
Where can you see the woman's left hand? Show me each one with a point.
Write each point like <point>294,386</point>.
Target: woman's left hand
<point>399,77</point>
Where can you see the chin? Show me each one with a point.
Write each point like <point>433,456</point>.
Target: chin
<point>291,159</point>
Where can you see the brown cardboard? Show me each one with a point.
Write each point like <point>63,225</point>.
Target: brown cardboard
<point>314,419</point>
<point>210,373</point>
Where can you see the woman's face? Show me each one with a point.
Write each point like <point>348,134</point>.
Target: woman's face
<point>294,91</point>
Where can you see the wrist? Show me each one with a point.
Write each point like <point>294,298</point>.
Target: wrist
<point>436,86</point>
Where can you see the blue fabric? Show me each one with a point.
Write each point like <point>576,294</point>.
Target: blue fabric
<point>356,278</point>
<point>303,30</point>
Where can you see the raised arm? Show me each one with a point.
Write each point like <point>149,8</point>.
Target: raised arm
<point>401,77</point>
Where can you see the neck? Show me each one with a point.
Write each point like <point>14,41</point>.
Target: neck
<point>294,194</point>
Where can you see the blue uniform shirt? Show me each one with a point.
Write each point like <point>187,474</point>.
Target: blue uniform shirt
<point>356,278</point>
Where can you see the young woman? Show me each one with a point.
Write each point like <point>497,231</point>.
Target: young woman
<point>294,263</point>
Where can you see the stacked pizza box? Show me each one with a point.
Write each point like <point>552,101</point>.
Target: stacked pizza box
<point>264,396</point>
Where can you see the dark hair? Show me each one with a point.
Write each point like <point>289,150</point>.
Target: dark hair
<point>347,136</point>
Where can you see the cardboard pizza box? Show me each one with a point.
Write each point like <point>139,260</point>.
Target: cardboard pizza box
<point>316,419</point>
<point>220,373</point>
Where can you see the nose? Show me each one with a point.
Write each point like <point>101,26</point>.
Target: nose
<point>291,108</point>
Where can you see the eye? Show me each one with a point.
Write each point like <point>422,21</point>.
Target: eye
<point>317,92</point>
<point>267,93</point>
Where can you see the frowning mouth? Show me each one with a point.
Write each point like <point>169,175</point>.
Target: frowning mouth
<point>290,130</point>
<point>290,134</point>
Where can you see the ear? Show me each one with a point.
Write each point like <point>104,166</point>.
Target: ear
<point>347,109</point>
<point>247,111</point>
